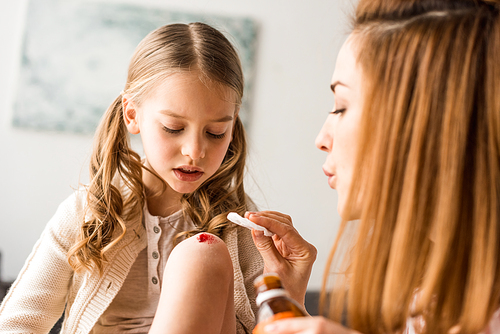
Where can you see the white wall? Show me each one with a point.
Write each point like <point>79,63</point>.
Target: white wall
<point>298,43</point>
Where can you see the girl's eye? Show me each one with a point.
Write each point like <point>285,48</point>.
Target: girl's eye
<point>172,131</point>
<point>337,111</point>
<point>215,136</point>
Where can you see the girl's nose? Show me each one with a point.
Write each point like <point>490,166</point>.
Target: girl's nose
<point>324,140</point>
<point>193,148</point>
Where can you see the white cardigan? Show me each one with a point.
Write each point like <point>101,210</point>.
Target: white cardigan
<point>47,285</point>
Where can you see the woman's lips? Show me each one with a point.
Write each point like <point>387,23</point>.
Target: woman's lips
<point>188,173</point>
<point>332,180</point>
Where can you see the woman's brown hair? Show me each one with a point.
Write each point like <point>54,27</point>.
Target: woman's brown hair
<point>116,193</point>
<point>428,242</point>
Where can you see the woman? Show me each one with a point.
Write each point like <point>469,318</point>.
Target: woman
<point>414,152</point>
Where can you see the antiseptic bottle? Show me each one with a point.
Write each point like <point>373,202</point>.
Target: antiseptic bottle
<point>273,301</point>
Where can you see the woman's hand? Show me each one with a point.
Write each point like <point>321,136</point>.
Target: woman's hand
<point>307,325</point>
<point>285,253</point>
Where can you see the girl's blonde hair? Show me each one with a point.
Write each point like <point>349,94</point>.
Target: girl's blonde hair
<point>428,242</point>
<point>175,48</point>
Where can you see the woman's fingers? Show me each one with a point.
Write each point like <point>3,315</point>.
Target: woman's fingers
<point>287,240</point>
<point>279,222</point>
<point>307,325</point>
<point>286,244</point>
<point>278,217</point>
<point>266,247</point>
<point>272,249</point>
<point>281,225</point>
<point>285,253</point>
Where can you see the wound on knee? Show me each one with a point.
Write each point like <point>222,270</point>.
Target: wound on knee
<point>205,237</point>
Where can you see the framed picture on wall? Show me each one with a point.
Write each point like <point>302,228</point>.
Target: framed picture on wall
<point>75,56</point>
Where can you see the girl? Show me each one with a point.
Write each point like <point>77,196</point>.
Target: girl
<point>104,258</point>
<point>414,153</point>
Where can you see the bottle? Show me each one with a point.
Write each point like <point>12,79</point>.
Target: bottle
<point>273,302</point>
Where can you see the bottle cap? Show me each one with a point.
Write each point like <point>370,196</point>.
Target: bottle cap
<point>263,296</point>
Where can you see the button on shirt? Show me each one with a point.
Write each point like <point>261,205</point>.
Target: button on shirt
<point>134,307</point>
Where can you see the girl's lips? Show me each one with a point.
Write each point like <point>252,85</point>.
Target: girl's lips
<point>188,173</point>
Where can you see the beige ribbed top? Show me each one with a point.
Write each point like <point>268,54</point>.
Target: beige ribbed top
<point>133,309</point>
<point>47,285</point>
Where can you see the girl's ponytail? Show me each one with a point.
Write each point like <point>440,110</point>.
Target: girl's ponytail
<point>105,212</point>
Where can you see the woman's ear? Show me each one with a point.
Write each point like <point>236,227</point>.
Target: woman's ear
<point>130,115</point>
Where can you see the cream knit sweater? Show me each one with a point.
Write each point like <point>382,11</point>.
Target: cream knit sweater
<point>47,286</point>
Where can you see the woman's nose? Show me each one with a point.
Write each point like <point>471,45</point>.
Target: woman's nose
<point>324,140</point>
<point>193,147</point>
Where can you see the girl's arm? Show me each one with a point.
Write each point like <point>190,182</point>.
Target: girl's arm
<point>37,298</point>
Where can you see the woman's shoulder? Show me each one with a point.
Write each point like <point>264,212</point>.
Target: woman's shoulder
<point>494,324</point>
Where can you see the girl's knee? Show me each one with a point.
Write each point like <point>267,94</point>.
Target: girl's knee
<point>202,241</point>
<point>198,269</point>
<point>208,238</point>
<point>206,251</point>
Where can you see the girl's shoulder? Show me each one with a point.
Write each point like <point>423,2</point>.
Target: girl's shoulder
<point>69,215</point>
<point>251,206</point>
<point>74,205</point>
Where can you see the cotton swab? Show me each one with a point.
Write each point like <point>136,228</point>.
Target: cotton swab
<point>237,219</point>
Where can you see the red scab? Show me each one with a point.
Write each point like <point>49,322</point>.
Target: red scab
<point>205,237</point>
